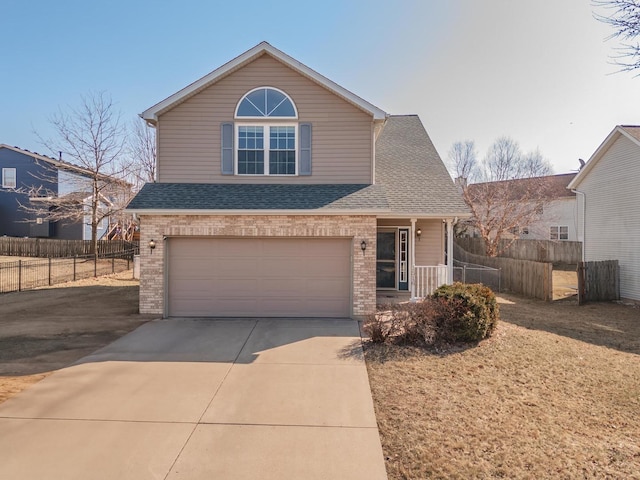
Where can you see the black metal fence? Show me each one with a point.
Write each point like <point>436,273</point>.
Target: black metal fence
<point>18,275</point>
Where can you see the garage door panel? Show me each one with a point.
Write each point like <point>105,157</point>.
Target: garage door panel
<point>259,277</point>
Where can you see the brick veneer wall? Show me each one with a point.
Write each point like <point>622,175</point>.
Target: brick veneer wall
<point>157,227</point>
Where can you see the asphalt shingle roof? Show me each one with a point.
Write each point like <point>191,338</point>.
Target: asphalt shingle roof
<point>410,179</point>
<point>203,196</point>
<point>552,187</point>
<point>413,176</point>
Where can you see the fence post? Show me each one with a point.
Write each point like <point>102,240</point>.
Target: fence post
<point>582,291</point>
<point>74,267</point>
<point>95,265</point>
<point>113,264</point>
<point>19,275</point>
<point>49,271</point>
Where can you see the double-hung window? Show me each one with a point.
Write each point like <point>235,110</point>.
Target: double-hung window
<point>9,178</point>
<point>266,149</point>
<point>560,232</point>
<point>266,134</point>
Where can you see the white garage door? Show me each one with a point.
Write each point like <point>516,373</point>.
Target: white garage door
<point>259,277</point>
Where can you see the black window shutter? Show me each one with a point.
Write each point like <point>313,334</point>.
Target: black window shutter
<point>226,140</point>
<point>304,160</point>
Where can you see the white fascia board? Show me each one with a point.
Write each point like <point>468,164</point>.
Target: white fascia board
<point>600,151</point>
<point>429,216</point>
<point>139,212</point>
<point>151,114</point>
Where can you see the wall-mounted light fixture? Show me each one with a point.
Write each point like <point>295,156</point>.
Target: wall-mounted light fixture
<point>152,245</point>
<point>418,233</point>
<point>363,245</point>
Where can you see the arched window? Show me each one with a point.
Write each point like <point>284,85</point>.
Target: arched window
<point>266,102</point>
<point>266,138</point>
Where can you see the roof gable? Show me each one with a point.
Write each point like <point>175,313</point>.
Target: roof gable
<point>50,160</point>
<point>264,48</point>
<point>632,132</point>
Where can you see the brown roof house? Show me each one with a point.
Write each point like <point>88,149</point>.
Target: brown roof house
<point>556,209</point>
<point>282,194</point>
<point>609,206</point>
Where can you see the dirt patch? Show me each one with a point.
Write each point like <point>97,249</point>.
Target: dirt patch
<point>565,284</point>
<point>554,394</point>
<point>47,329</point>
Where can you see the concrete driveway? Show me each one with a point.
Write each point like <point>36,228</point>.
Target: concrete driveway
<point>202,399</point>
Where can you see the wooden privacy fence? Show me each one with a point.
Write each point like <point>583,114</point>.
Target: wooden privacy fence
<point>598,281</point>
<point>534,250</point>
<point>54,248</point>
<point>528,278</point>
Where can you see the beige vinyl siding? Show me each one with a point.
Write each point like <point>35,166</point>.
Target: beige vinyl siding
<point>612,227</point>
<point>430,246</point>
<point>189,134</point>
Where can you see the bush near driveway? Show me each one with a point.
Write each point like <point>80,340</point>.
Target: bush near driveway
<point>455,313</point>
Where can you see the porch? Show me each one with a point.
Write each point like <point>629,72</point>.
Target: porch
<point>411,257</point>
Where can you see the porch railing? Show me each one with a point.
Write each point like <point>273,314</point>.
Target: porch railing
<point>427,278</point>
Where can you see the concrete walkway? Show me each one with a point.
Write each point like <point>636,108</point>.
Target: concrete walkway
<point>202,399</point>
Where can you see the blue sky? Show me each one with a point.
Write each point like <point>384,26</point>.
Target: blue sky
<point>472,69</point>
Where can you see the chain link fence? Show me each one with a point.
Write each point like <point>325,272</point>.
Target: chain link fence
<point>466,272</point>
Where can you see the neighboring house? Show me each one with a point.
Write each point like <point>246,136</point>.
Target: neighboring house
<point>29,178</point>
<point>281,194</point>
<point>557,218</point>
<point>609,203</point>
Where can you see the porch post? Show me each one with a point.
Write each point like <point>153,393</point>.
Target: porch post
<point>449,250</point>
<point>412,259</point>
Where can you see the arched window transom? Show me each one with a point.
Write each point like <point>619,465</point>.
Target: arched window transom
<point>266,102</point>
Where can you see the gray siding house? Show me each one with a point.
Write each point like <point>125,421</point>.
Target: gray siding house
<point>27,175</point>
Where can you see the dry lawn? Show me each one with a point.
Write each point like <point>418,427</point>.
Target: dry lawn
<point>554,394</point>
<point>44,330</point>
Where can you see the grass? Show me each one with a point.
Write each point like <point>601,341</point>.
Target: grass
<point>554,394</point>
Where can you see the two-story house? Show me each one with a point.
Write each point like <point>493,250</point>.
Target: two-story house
<point>29,178</point>
<point>280,193</point>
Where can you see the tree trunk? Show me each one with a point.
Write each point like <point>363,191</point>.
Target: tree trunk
<point>94,238</point>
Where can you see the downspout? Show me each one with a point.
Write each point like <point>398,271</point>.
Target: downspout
<point>584,218</point>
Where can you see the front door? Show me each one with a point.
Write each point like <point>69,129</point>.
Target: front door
<point>392,259</point>
<point>386,259</point>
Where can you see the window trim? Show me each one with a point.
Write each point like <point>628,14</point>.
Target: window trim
<point>267,136</point>
<point>4,177</point>
<point>238,117</point>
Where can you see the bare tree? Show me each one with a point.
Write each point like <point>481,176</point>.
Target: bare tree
<point>505,191</point>
<point>624,17</point>
<point>142,147</point>
<point>91,139</point>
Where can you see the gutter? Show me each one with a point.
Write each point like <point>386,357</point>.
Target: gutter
<point>584,218</point>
